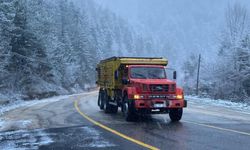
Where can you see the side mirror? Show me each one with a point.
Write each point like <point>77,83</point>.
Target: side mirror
<point>125,81</point>
<point>116,75</point>
<point>174,75</point>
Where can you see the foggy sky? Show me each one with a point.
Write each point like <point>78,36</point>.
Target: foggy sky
<point>188,26</point>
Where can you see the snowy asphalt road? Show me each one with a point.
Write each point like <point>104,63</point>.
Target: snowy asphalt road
<point>58,125</point>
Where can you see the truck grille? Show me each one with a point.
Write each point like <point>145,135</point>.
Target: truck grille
<point>159,88</point>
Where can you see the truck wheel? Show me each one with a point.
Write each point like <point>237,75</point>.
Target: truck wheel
<point>175,114</point>
<point>128,110</point>
<point>106,106</point>
<point>100,100</point>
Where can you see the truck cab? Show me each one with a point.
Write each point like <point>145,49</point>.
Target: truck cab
<point>140,87</point>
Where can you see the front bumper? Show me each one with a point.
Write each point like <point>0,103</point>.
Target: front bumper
<point>159,104</point>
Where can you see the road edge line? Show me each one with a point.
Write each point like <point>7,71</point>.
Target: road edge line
<point>218,128</point>
<point>112,130</point>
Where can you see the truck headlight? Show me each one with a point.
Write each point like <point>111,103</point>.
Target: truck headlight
<point>179,96</point>
<point>138,96</point>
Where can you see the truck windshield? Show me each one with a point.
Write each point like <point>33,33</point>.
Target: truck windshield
<point>147,73</point>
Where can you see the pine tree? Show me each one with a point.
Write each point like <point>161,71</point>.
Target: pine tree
<point>234,54</point>
<point>54,46</point>
<point>7,12</point>
<point>28,59</point>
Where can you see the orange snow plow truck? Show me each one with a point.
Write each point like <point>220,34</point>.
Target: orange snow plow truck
<point>139,85</point>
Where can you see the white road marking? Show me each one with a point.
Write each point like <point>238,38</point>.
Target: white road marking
<point>218,128</point>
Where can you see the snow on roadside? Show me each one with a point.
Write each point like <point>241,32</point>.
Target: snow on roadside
<point>95,139</point>
<point>14,124</point>
<point>21,103</point>
<point>222,103</point>
<point>24,139</point>
<point>22,124</point>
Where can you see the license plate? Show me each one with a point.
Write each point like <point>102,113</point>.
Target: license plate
<point>155,110</point>
<point>159,105</point>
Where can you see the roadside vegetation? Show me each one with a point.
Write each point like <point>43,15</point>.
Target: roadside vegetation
<point>51,48</point>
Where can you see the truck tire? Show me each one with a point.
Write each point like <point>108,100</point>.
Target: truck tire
<point>106,106</point>
<point>100,102</point>
<point>128,110</point>
<point>175,114</point>
<point>101,98</point>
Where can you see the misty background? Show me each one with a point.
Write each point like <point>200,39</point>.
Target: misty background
<point>51,47</point>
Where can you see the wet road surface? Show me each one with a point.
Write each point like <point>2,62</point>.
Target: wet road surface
<point>59,125</point>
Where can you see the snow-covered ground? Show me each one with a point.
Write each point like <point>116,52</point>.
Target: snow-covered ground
<point>23,139</point>
<point>33,139</point>
<point>21,103</point>
<point>22,124</point>
<point>223,103</point>
<point>98,141</point>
